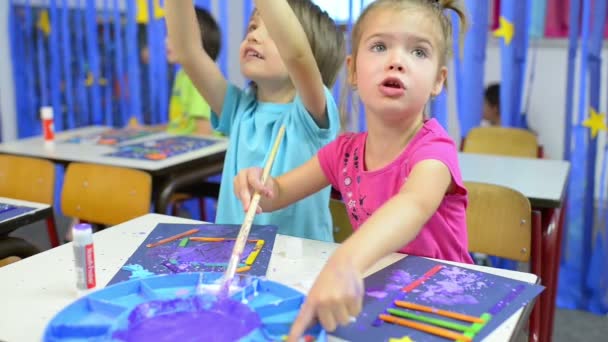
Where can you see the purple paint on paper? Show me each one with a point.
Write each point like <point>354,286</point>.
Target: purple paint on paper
<point>397,280</point>
<point>193,257</point>
<point>457,287</point>
<point>507,300</point>
<point>377,294</point>
<point>171,267</point>
<point>189,319</point>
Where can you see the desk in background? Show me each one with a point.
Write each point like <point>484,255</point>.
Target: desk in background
<point>168,174</point>
<point>544,183</point>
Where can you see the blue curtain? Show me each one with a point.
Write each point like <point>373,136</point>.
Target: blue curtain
<point>513,61</point>
<point>468,73</point>
<point>581,283</point>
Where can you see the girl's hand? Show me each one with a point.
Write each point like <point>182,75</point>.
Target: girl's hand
<point>247,182</point>
<point>335,297</point>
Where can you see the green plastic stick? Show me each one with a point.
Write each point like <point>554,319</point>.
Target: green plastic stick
<point>430,320</point>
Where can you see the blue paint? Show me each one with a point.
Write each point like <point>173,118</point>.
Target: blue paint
<point>137,271</point>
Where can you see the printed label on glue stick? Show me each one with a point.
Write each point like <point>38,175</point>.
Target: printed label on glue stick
<point>90,266</point>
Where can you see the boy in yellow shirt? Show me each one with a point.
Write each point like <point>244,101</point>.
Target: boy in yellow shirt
<point>189,113</point>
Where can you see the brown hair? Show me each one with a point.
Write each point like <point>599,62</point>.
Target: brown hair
<point>210,32</point>
<point>325,38</point>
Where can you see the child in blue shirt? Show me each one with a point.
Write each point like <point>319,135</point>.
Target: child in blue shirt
<point>292,53</point>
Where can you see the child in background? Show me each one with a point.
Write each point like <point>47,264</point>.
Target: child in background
<point>400,181</point>
<point>491,106</point>
<point>189,113</point>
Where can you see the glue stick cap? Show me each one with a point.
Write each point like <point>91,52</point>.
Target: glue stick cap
<point>82,226</point>
<point>46,112</point>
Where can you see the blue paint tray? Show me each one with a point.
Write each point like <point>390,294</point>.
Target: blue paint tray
<point>99,315</point>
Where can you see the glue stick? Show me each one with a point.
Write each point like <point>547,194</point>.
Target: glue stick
<point>84,256</point>
<point>48,127</point>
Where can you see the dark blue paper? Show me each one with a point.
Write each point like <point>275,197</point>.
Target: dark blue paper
<point>169,258</point>
<point>8,211</point>
<point>453,288</point>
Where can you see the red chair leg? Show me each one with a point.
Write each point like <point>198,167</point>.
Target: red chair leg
<point>51,230</point>
<point>534,333</point>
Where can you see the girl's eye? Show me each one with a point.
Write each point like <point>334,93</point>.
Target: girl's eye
<point>420,53</point>
<point>378,47</point>
<point>251,28</point>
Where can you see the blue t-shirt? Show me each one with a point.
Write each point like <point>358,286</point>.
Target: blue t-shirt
<point>252,127</point>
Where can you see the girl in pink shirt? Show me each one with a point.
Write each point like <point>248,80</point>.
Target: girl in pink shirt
<point>400,181</point>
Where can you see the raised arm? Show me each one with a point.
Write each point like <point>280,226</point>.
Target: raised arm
<point>282,191</point>
<point>285,30</point>
<point>185,39</point>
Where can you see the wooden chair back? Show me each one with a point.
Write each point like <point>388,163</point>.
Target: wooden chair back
<point>105,194</point>
<point>499,221</point>
<point>26,178</point>
<point>513,142</point>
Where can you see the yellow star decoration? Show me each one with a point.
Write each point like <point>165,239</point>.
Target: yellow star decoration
<point>403,339</point>
<point>90,80</point>
<point>142,16</point>
<point>505,30</point>
<point>596,122</point>
<point>44,24</point>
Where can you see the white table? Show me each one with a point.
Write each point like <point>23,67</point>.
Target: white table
<point>64,152</point>
<point>167,175</point>
<point>33,290</point>
<point>544,182</point>
<point>39,211</point>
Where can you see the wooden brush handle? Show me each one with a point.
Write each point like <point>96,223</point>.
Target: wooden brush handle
<point>241,239</point>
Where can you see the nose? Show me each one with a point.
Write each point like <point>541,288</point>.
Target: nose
<point>253,36</point>
<point>395,62</point>
<point>396,66</point>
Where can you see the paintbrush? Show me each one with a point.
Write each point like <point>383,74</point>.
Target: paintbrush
<point>241,239</point>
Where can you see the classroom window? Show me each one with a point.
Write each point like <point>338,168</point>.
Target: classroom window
<point>339,10</point>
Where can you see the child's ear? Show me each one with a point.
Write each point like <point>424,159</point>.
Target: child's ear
<point>350,68</point>
<point>440,81</point>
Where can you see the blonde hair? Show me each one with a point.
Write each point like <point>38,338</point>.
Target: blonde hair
<point>436,8</point>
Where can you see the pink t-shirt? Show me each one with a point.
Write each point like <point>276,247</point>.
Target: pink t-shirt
<point>444,236</point>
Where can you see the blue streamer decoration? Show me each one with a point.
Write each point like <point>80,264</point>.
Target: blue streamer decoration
<point>42,73</point>
<point>537,24</point>
<point>106,64</point>
<point>55,67</point>
<point>134,76</point>
<point>83,114</point>
<point>513,61</point>
<point>597,295</point>
<point>93,62</point>
<point>574,30</point>
<point>573,268</point>
<point>120,65</point>
<point>471,84</point>
<point>66,49</point>
<point>439,108</point>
